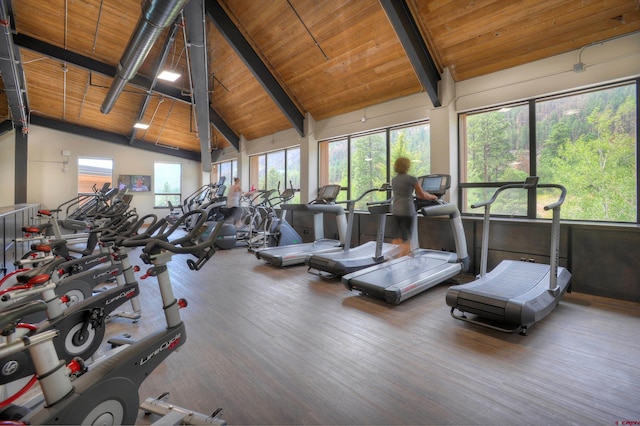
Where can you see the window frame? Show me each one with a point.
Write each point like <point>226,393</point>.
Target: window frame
<point>347,191</point>
<point>98,187</point>
<point>156,181</point>
<point>531,213</point>
<point>216,172</point>
<point>259,170</point>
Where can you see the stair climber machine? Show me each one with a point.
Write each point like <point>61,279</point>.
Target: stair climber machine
<point>195,200</point>
<point>399,279</point>
<point>108,392</point>
<point>295,254</point>
<point>350,259</point>
<point>515,294</point>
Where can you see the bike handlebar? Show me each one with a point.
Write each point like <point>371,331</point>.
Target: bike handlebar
<point>146,238</point>
<point>12,315</point>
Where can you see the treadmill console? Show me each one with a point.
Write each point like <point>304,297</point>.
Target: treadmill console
<point>327,194</point>
<point>436,184</point>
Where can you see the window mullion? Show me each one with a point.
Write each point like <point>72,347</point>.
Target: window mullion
<point>533,163</point>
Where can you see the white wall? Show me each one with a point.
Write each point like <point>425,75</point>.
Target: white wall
<point>7,168</point>
<point>606,62</point>
<point>50,186</point>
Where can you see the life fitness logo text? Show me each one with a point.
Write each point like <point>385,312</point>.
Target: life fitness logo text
<point>172,343</point>
<point>10,367</point>
<point>125,294</point>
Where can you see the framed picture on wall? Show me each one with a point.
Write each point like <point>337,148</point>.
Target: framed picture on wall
<point>135,183</point>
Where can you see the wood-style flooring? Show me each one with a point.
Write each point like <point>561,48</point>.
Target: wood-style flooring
<point>283,347</point>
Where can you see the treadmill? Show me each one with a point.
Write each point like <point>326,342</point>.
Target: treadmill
<point>296,254</point>
<point>399,279</point>
<point>351,259</point>
<point>515,294</point>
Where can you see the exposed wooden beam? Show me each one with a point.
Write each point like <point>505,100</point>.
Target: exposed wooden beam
<point>81,61</point>
<point>144,83</point>
<point>222,127</point>
<point>234,37</point>
<point>407,31</point>
<point>105,136</point>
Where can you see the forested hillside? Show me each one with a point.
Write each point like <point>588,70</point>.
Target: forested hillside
<point>586,142</point>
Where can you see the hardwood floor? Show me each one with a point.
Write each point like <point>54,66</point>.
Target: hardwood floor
<point>282,346</point>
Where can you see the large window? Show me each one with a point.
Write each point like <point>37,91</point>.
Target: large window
<point>226,171</point>
<point>585,141</point>
<point>368,154</point>
<point>276,170</point>
<point>94,173</point>
<point>167,184</point>
<point>361,162</point>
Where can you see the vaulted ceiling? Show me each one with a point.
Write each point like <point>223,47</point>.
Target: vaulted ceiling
<point>267,63</point>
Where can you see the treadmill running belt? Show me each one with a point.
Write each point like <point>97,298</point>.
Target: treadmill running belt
<point>510,279</point>
<point>400,271</point>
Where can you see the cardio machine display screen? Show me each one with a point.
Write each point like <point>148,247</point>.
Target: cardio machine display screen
<point>432,184</point>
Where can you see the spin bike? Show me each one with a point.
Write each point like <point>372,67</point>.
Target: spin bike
<point>79,278</point>
<point>79,328</point>
<point>108,392</point>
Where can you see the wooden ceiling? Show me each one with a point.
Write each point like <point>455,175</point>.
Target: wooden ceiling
<point>330,57</point>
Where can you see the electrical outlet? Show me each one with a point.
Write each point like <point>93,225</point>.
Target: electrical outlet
<point>65,153</point>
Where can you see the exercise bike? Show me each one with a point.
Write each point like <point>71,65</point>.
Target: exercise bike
<point>80,279</point>
<point>79,328</point>
<point>108,393</point>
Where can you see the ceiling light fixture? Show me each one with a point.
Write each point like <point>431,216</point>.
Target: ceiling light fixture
<point>143,126</point>
<point>169,76</point>
<point>170,72</point>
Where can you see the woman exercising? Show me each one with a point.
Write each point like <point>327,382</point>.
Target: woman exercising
<point>402,206</point>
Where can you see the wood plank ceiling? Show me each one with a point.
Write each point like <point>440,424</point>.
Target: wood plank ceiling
<point>329,57</point>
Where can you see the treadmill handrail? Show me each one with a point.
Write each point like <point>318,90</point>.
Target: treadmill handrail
<point>560,201</point>
<point>529,183</point>
<point>351,208</point>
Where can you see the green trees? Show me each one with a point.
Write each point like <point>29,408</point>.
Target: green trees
<point>586,142</point>
<point>362,162</point>
<point>489,150</point>
<point>599,168</point>
<point>368,167</point>
<point>414,144</point>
